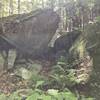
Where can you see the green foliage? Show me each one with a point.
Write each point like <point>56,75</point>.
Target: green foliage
<point>50,94</point>
<point>60,76</point>
<point>98,19</point>
<point>39,83</point>
<point>13,96</point>
<point>63,76</point>
<point>92,34</point>
<point>3,97</point>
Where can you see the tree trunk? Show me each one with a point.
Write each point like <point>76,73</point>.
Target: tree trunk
<point>42,3</point>
<point>11,7</point>
<point>18,6</point>
<point>0,9</point>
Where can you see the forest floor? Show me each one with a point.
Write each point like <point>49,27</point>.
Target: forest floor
<point>10,83</point>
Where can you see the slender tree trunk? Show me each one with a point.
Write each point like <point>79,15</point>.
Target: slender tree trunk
<point>52,2</point>
<point>19,6</point>
<point>11,7</point>
<point>32,2</point>
<point>0,9</point>
<point>66,22</point>
<point>42,3</point>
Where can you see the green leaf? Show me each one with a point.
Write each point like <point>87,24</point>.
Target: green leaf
<point>60,68</point>
<point>52,92</point>
<point>68,96</point>
<point>45,97</point>
<point>3,97</point>
<point>39,83</point>
<point>14,96</point>
<point>61,63</point>
<point>33,96</point>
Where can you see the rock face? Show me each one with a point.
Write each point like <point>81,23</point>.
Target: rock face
<point>61,44</point>
<point>30,33</point>
<point>65,42</point>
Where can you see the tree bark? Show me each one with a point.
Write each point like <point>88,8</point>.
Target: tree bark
<point>18,6</point>
<point>11,7</point>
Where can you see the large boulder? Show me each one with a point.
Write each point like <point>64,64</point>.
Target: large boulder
<point>30,33</point>
<point>61,46</point>
<point>65,41</point>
